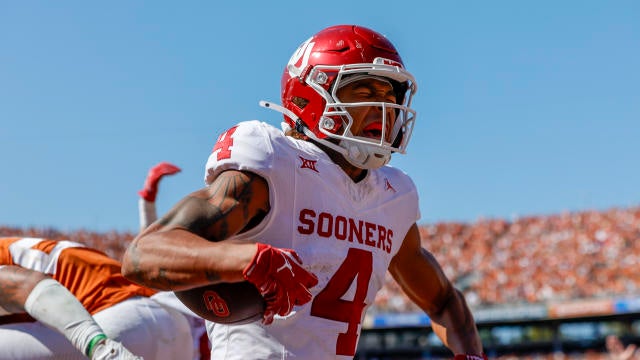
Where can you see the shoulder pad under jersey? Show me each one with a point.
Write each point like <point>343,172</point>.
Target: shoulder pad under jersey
<point>245,146</point>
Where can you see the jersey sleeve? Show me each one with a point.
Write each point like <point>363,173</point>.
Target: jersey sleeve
<point>5,253</point>
<point>245,147</point>
<point>407,189</point>
<point>414,203</point>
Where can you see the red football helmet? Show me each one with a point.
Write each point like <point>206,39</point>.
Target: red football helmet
<point>323,64</point>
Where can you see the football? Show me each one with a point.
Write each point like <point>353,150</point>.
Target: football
<point>225,303</point>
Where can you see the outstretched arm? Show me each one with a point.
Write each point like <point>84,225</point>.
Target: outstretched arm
<point>423,280</point>
<point>147,203</point>
<point>46,300</point>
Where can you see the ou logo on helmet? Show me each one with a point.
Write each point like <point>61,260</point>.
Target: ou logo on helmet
<point>300,59</point>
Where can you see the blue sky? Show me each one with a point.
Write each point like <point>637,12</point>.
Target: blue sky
<point>524,108</point>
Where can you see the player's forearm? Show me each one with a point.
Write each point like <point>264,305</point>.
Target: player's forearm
<point>25,290</point>
<point>70,318</point>
<point>16,284</point>
<point>147,213</point>
<point>455,326</point>
<point>179,260</point>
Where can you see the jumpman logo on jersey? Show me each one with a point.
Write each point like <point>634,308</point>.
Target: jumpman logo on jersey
<point>308,164</point>
<point>388,186</point>
<point>286,265</point>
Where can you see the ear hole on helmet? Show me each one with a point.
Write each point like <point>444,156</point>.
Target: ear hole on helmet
<point>299,102</point>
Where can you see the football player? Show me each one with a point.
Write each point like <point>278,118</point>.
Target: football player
<point>312,215</point>
<point>78,293</point>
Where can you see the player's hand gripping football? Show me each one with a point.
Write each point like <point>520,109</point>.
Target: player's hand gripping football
<point>156,173</point>
<point>280,278</point>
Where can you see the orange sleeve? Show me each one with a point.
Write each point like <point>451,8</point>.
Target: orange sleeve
<point>95,279</point>
<point>5,254</point>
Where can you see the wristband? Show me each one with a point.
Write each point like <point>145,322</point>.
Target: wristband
<point>96,339</point>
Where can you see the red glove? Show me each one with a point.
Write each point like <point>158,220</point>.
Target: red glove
<point>280,278</point>
<point>483,356</point>
<point>156,173</point>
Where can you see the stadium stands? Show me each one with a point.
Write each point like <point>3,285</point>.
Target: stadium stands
<point>579,255</point>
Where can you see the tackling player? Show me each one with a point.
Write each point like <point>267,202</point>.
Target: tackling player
<point>321,192</point>
<point>34,293</point>
<point>78,293</point>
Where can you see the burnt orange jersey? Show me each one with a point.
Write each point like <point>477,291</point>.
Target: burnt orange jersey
<point>93,277</point>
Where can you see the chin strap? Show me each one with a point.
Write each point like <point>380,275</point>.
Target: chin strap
<point>281,109</point>
<point>356,154</point>
<point>288,113</point>
<point>301,128</point>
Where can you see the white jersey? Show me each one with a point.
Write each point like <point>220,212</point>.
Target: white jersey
<point>346,233</point>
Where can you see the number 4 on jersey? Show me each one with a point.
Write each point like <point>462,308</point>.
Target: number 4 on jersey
<point>329,304</point>
<point>224,144</point>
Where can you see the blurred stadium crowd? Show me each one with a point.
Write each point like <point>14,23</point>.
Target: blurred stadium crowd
<point>575,255</point>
